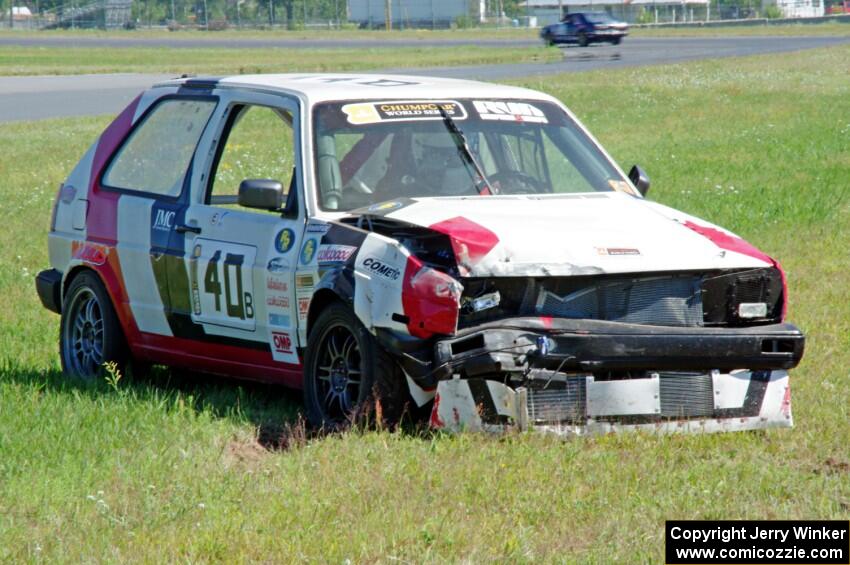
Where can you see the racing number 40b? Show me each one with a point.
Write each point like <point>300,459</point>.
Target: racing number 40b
<point>238,304</point>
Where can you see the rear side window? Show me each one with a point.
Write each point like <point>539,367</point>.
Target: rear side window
<point>156,156</point>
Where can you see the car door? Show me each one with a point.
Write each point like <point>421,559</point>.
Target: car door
<point>240,262</point>
<point>147,179</point>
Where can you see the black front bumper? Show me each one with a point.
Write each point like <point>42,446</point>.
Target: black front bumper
<point>593,346</point>
<point>48,284</point>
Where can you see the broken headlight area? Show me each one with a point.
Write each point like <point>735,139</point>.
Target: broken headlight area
<point>731,298</point>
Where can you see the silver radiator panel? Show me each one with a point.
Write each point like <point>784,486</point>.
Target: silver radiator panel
<point>682,395</point>
<point>659,301</point>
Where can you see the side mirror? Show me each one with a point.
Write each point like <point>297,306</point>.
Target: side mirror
<point>639,179</point>
<point>265,194</point>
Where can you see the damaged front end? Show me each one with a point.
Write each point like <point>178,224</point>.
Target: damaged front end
<point>592,352</point>
<point>572,355</point>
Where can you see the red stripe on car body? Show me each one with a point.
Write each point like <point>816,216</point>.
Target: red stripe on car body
<point>470,241</point>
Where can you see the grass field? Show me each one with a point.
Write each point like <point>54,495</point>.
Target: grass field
<point>175,468</point>
<point>83,60</point>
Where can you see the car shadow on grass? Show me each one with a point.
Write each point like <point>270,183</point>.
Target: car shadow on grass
<point>274,411</point>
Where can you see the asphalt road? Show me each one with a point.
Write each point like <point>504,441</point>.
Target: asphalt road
<point>33,98</point>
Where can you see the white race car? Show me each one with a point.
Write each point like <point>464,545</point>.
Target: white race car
<point>393,241</point>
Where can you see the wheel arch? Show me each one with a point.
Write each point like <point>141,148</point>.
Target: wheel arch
<point>322,298</point>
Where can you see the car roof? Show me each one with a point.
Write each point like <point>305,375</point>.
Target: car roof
<point>321,87</point>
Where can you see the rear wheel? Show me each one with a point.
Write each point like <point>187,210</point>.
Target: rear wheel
<point>90,334</point>
<point>582,39</point>
<point>348,377</point>
<point>616,41</point>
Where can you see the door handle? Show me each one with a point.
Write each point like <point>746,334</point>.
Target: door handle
<point>182,228</point>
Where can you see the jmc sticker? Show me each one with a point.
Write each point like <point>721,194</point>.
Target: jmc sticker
<point>220,275</point>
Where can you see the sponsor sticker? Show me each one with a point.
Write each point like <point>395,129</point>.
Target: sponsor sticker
<point>308,252</point>
<point>279,320</point>
<point>620,186</point>
<point>277,301</point>
<point>284,240</point>
<point>277,265</point>
<point>318,227</point>
<point>509,111</point>
<point>303,308</point>
<point>92,253</point>
<point>385,206</point>
<point>164,220</point>
<point>335,253</point>
<point>283,347</point>
<point>277,283</point>
<point>304,282</point>
<point>617,251</point>
<point>381,269</point>
<point>402,110</point>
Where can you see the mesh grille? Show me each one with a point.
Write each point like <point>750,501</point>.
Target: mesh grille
<point>683,395</point>
<point>662,301</point>
<point>686,395</point>
<point>563,404</point>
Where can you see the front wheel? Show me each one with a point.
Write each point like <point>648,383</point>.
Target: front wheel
<point>616,41</point>
<point>89,333</point>
<point>347,375</point>
<point>582,39</point>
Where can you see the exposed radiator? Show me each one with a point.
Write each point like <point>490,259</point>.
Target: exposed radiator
<point>661,301</point>
<point>682,395</point>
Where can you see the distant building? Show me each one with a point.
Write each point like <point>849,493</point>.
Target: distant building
<point>645,11</point>
<point>416,13</point>
<point>801,8</point>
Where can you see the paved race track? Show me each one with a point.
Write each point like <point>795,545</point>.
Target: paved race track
<point>32,98</point>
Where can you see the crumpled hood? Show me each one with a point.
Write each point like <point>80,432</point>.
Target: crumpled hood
<point>570,234</point>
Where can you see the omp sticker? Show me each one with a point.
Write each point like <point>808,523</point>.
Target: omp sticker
<point>335,253</point>
<point>402,110</point>
<point>509,111</point>
<point>284,240</point>
<point>308,252</point>
<point>283,347</point>
<point>303,308</point>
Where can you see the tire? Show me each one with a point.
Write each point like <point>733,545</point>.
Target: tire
<point>89,331</point>
<point>333,395</point>
<point>582,39</point>
<point>616,41</point>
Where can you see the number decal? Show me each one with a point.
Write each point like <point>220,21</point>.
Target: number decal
<point>212,284</point>
<point>227,298</point>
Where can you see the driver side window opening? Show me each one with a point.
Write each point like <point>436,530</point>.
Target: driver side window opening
<point>258,144</point>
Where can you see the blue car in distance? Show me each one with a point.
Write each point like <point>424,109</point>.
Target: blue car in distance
<point>584,28</point>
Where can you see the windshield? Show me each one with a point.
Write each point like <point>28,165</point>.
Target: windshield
<point>598,18</point>
<point>373,151</point>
